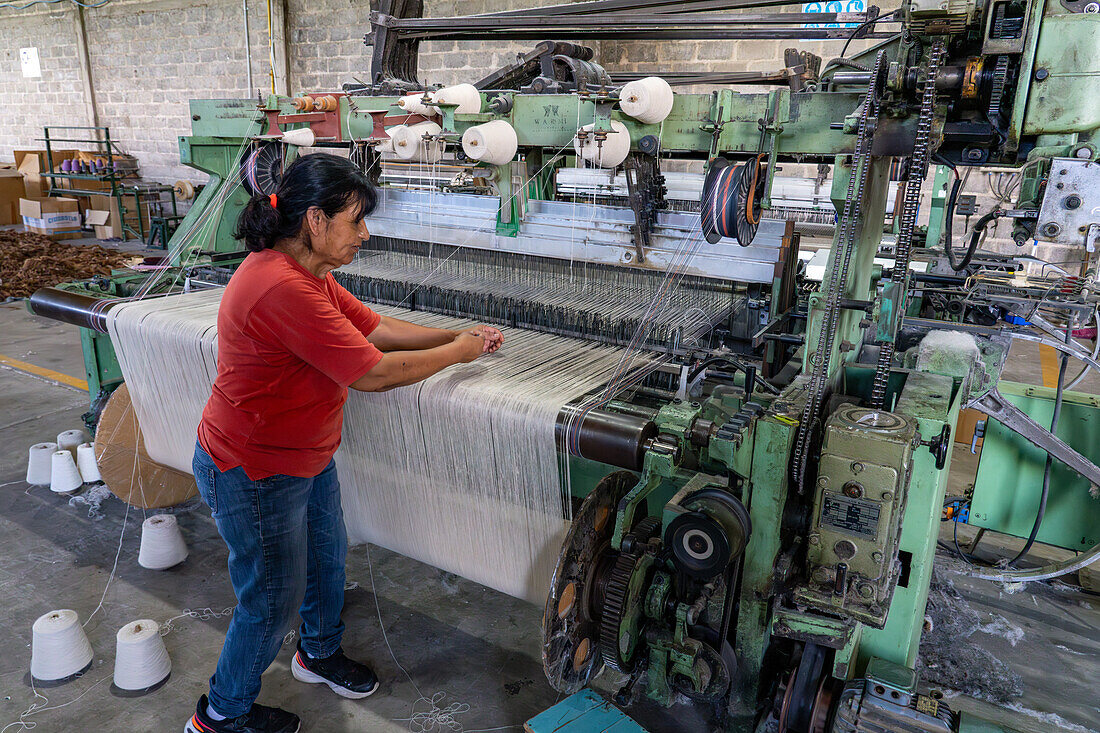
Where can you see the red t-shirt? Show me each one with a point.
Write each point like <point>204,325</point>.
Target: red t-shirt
<point>289,344</point>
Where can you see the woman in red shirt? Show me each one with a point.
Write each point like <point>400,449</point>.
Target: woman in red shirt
<point>291,341</point>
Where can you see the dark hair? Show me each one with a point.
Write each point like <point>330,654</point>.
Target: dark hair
<point>326,181</point>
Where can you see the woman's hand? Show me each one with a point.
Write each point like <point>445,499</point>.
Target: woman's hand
<point>492,337</point>
<point>471,345</point>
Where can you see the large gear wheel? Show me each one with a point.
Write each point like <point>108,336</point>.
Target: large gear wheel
<point>614,608</point>
<point>997,89</point>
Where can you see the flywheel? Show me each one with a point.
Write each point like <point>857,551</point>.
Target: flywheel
<point>571,621</point>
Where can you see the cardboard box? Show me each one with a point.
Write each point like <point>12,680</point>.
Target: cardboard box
<point>57,218</point>
<point>100,222</point>
<point>11,191</point>
<point>32,164</point>
<point>112,227</point>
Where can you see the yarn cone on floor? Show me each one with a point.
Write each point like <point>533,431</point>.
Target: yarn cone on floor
<point>38,463</point>
<point>86,463</point>
<point>70,439</point>
<point>64,476</point>
<point>162,544</point>
<point>142,663</point>
<point>59,648</point>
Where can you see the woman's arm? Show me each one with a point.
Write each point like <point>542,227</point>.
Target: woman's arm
<point>393,334</point>
<point>401,368</point>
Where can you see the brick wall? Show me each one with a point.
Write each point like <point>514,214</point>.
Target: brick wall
<point>57,97</point>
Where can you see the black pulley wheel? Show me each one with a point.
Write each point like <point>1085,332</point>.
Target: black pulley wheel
<point>699,545</point>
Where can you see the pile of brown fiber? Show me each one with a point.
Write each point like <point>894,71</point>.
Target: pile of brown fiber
<point>30,261</point>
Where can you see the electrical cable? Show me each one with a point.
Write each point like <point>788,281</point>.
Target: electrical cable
<point>883,16</point>
<point>1045,493</point>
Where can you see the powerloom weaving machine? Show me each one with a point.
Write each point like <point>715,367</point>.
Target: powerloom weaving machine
<point>753,526</point>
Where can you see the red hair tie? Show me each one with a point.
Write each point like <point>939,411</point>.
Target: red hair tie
<point>274,201</point>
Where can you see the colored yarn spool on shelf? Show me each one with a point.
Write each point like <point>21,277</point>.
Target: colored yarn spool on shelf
<point>124,464</point>
<point>142,664</point>
<point>647,100</point>
<point>303,104</point>
<point>327,103</point>
<point>494,143</point>
<point>86,463</point>
<point>64,476</point>
<point>609,152</point>
<point>409,143</point>
<point>466,96</point>
<point>162,544</point>
<point>39,460</point>
<point>60,650</point>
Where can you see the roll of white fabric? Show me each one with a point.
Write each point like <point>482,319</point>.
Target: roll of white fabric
<point>38,463</point>
<point>302,137</point>
<point>494,142</point>
<point>647,100</point>
<point>409,143</point>
<point>162,544</point>
<point>466,96</point>
<point>611,152</point>
<point>70,439</point>
<point>414,105</point>
<point>59,647</point>
<point>141,661</point>
<point>64,475</point>
<point>86,463</point>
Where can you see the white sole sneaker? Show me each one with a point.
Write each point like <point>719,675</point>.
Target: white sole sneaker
<point>304,675</point>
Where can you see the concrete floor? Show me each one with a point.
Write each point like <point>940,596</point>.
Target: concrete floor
<point>478,648</point>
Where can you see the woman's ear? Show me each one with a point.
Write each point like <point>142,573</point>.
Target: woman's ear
<point>316,221</point>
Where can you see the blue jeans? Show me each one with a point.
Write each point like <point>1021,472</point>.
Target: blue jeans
<point>287,548</point>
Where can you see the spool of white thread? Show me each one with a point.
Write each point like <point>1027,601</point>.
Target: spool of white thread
<point>494,142</point>
<point>86,463</point>
<point>647,100</point>
<point>38,463</point>
<point>142,663</point>
<point>70,439</point>
<point>162,544</point>
<point>64,475</point>
<point>414,105</point>
<point>611,152</point>
<point>59,648</point>
<point>409,143</point>
<point>302,137</point>
<point>386,146</point>
<point>466,96</point>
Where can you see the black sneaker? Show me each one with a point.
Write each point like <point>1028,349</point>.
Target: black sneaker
<point>260,719</point>
<point>344,676</point>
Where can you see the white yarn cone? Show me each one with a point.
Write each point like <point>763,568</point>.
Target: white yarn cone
<point>609,153</point>
<point>647,100</point>
<point>386,146</point>
<point>59,648</point>
<point>303,137</point>
<point>70,439</point>
<point>162,544</point>
<point>38,463</point>
<point>141,661</point>
<point>466,96</point>
<point>414,105</point>
<point>86,463</point>
<point>64,476</point>
<point>494,142</point>
<point>409,143</point>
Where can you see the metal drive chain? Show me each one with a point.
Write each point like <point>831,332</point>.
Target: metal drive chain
<point>834,289</point>
<point>918,169</point>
